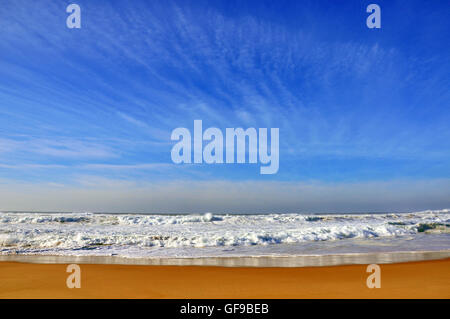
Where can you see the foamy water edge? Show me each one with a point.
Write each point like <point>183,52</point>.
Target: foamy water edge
<point>298,239</point>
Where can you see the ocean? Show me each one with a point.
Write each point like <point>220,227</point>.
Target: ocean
<point>225,239</point>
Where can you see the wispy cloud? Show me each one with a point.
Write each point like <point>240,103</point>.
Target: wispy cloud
<point>65,148</point>
<point>350,104</point>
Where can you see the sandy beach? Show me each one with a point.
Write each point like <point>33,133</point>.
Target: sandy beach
<point>426,279</point>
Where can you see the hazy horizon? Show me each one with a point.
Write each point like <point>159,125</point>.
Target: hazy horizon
<point>230,197</point>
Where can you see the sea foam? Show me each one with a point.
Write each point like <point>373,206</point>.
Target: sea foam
<point>141,235</point>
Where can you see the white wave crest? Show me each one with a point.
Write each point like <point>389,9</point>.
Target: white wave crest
<point>52,233</point>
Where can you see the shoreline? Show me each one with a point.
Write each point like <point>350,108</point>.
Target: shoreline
<point>424,279</point>
<point>241,261</point>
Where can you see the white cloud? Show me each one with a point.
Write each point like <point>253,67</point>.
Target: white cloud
<point>57,147</point>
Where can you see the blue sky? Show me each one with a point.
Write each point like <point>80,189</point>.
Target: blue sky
<point>94,107</point>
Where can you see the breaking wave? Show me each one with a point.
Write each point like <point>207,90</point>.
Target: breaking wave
<point>54,233</point>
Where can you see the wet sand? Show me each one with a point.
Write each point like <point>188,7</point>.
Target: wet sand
<point>425,279</point>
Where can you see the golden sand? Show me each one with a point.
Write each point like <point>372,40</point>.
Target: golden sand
<point>427,279</point>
